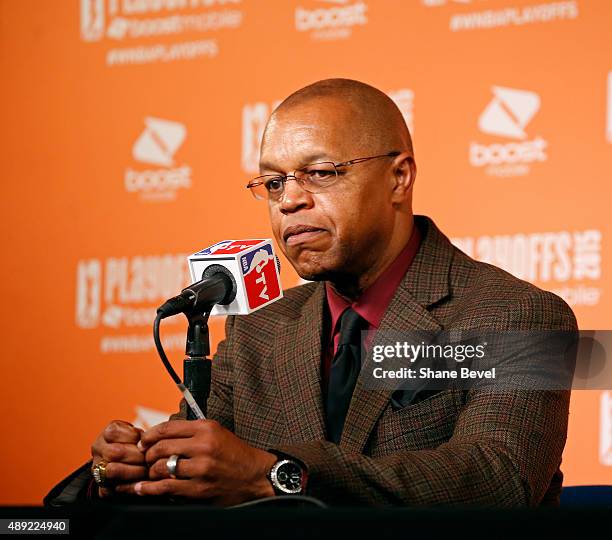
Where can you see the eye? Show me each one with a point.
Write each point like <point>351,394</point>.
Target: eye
<point>320,173</point>
<point>274,184</point>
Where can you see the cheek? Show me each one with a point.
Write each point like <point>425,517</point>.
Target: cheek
<point>355,217</point>
<point>274,216</point>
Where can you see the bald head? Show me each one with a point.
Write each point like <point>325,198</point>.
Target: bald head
<point>371,118</point>
<point>346,232</point>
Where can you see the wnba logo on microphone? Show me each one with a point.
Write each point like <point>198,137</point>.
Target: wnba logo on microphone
<point>260,278</point>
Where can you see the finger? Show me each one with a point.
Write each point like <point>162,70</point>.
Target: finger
<point>184,448</point>
<point>119,431</point>
<point>180,488</point>
<point>172,429</point>
<point>122,453</point>
<point>185,469</point>
<point>126,489</point>
<point>121,473</point>
<point>104,492</point>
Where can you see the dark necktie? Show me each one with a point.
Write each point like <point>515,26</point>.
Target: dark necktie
<point>344,371</point>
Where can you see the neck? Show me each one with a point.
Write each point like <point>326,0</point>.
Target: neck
<point>351,286</point>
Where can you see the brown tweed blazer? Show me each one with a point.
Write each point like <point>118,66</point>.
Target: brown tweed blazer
<point>455,447</point>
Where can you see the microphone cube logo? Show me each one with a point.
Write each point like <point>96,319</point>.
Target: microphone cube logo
<point>229,247</point>
<point>507,115</point>
<point>253,265</point>
<point>260,277</point>
<point>157,145</point>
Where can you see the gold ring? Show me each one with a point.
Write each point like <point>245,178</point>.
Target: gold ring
<point>99,472</point>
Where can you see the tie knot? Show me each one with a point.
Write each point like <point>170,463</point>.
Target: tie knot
<point>351,325</point>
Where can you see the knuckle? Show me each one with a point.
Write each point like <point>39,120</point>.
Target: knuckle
<point>207,447</point>
<point>112,430</point>
<point>162,428</point>
<point>212,425</point>
<point>95,449</point>
<point>114,452</point>
<point>205,467</point>
<point>154,453</point>
<point>158,469</point>
<point>162,448</point>
<point>162,487</point>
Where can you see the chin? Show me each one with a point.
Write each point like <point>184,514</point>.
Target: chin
<point>311,271</point>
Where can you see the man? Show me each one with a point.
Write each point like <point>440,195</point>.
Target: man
<point>288,390</point>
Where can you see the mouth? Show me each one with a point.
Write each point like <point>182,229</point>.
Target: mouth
<point>297,234</point>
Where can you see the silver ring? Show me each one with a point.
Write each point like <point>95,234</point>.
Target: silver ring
<point>171,465</point>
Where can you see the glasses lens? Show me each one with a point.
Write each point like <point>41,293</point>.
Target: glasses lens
<point>267,187</point>
<point>259,192</point>
<point>317,176</point>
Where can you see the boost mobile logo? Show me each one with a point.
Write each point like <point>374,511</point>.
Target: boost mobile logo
<point>159,141</point>
<point>334,22</point>
<point>509,112</point>
<point>507,115</point>
<point>157,145</point>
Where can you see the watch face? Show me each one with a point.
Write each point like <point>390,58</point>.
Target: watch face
<point>287,476</point>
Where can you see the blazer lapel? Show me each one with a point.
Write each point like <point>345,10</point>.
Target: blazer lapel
<point>425,283</point>
<point>297,363</point>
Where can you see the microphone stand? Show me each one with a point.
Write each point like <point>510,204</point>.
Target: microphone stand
<point>197,365</point>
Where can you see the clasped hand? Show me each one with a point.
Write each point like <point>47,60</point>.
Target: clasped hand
<point>214,464</point>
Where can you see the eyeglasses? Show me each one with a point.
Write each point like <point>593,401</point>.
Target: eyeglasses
<point>314,178</point>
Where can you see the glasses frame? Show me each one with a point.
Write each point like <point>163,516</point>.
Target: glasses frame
<point>285,177</point>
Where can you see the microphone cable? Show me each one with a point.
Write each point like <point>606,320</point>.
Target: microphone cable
<point>177,380</point>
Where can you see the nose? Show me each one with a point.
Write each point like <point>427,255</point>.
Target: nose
<point>294,197</point>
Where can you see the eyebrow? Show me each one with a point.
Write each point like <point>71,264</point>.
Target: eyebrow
<point>312,158</point>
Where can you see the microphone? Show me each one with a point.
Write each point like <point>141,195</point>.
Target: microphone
<point>251,265</point>
<point>236,277</point>
<point>231,277</point>
<point>217,286</point>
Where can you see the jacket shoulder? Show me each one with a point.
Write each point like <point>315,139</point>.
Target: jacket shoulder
<point>491,288</point>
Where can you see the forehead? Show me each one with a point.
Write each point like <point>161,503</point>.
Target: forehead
<point>322,128</point>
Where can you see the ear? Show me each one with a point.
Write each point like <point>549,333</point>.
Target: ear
<point>404,174</point>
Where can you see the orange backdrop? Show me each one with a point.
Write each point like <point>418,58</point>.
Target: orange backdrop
<point>130,128</point>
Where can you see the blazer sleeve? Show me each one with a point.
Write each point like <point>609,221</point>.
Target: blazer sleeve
<point>505,448</point>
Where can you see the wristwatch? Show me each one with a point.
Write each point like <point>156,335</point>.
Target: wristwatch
<point>288,477</point>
